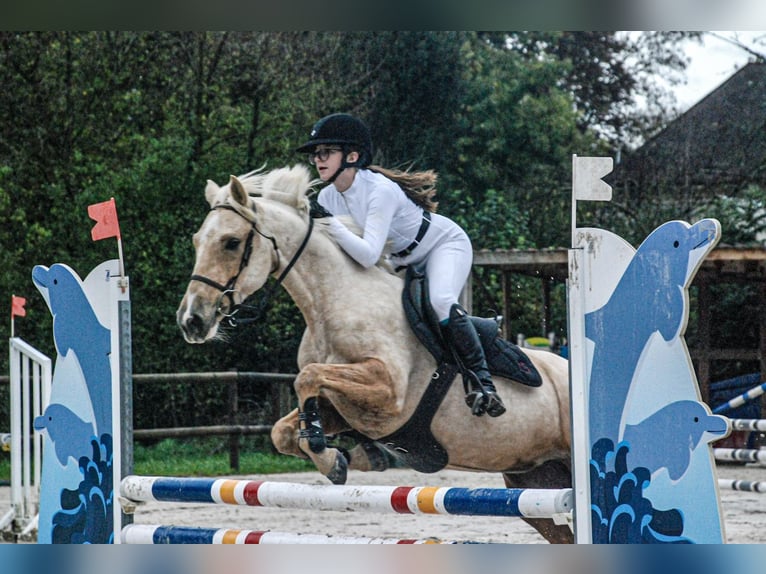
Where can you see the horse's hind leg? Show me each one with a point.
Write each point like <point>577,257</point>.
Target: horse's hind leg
<point>362,393</point>
<point>550,474</point>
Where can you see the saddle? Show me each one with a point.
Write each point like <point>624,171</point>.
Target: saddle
<point>414,442</point>
<point>504,359</point>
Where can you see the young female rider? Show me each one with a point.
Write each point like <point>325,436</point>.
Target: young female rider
<point>398,207</point>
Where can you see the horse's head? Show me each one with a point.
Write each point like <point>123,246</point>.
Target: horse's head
<point>234,258</point>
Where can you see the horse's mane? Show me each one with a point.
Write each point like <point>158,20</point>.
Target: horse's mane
<point>288,185</point>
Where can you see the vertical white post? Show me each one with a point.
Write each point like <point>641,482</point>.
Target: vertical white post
<point>587,184</point>
<point>579,397</point>
<point>26,434</point>
<point>17,503</point>
<point>30,383</point>
<point>119,305</point>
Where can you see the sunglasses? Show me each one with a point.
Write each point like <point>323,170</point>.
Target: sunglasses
<point>323,154</point>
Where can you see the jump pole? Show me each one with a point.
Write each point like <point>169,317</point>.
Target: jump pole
<point>158,534</point>
<point>517,502</point>
<point>740,455</point>
<point>748,424</point>
<point>740,400</point>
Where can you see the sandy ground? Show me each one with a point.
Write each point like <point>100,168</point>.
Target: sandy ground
<point>744,512</point>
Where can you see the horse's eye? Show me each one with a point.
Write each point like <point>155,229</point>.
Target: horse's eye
<point>232,244</point>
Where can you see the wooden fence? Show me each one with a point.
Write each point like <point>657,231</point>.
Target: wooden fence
<point>281,398</point>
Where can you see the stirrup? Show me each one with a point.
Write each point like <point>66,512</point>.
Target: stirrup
<point>476,401</point>
<point>482,400</point>
<point>495,406</point>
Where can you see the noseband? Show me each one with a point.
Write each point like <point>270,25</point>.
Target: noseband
<point>229,289</point>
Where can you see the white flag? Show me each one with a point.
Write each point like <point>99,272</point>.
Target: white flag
<point>586,178</point>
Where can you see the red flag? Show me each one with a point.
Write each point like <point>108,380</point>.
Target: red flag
<point>105,216</point>
<point>17,306</point>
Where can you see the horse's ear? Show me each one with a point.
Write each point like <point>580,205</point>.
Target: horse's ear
<point>238,192</point>
<point>211,192</point>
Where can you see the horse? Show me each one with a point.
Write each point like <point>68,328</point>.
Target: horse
<point>361,368</point>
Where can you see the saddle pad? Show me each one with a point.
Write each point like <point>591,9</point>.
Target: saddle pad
<point>505,359</point>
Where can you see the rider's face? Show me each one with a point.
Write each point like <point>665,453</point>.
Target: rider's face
<point>327,160</point>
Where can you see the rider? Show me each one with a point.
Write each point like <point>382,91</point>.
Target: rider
<point>398,207</point>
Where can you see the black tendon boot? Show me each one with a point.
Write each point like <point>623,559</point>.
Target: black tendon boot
<point>481,394</point>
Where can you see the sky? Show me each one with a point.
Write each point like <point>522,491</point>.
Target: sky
<point>713,62</point>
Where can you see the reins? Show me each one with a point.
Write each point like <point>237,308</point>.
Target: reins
<point>228,289</point>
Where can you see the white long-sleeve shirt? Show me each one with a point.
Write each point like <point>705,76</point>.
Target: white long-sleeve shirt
<point>385,213</point>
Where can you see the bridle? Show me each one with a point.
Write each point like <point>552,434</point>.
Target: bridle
<point>229,288</point>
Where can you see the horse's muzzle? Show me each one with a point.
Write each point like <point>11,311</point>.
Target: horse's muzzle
<point>196,325</point>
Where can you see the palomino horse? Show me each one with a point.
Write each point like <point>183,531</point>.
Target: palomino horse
<point>361,367</point>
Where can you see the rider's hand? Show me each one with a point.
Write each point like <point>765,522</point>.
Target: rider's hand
<point>317,211</point>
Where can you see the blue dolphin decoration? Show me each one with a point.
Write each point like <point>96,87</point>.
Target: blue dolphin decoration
<point>681,426</point>
<point>649,298</point>
<point>70,435</point>
<point>76,328</point>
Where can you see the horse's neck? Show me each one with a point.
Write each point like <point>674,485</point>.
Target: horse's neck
<point>319,280</point>
<point>325,283</point>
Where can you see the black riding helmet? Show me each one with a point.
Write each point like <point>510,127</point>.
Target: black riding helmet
<point>345,130</point>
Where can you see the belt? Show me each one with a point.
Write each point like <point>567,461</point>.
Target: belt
<point>419,237</point>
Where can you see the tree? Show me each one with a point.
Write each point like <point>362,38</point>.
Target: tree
<point>612,76</point>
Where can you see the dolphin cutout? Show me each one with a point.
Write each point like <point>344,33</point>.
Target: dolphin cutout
<point>76,328</point>
<point>649,297</point>
<point>682,426</point>
<point>69,434</point>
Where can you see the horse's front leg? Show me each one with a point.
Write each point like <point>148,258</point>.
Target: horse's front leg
<point>286,431</point>
<point>284,435</point>
<point>363,394</point>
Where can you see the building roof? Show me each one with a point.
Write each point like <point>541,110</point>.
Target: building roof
<point>719,142</point>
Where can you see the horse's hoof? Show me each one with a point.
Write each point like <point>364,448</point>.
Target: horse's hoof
<point>376,457</point>
<point>339,471</point>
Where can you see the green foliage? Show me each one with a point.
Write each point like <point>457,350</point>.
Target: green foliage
<point>742,217</point>
<point>148,117</point>
<point>516,132</point>
<point>492,222</point>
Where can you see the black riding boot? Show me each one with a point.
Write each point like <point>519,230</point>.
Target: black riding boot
<point>481,394</point>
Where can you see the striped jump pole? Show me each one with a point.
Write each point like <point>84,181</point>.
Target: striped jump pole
<point>740,455</point>
<point>743,485</point>
<point>745,397</point>
<point>748,424</point>
<point>155,534</point>
<point>528,503</point>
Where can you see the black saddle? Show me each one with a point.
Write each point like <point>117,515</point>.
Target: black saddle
<point>504,359</point>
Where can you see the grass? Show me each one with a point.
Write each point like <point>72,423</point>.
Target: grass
<point>200,457</point>
<point>210,457</point>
